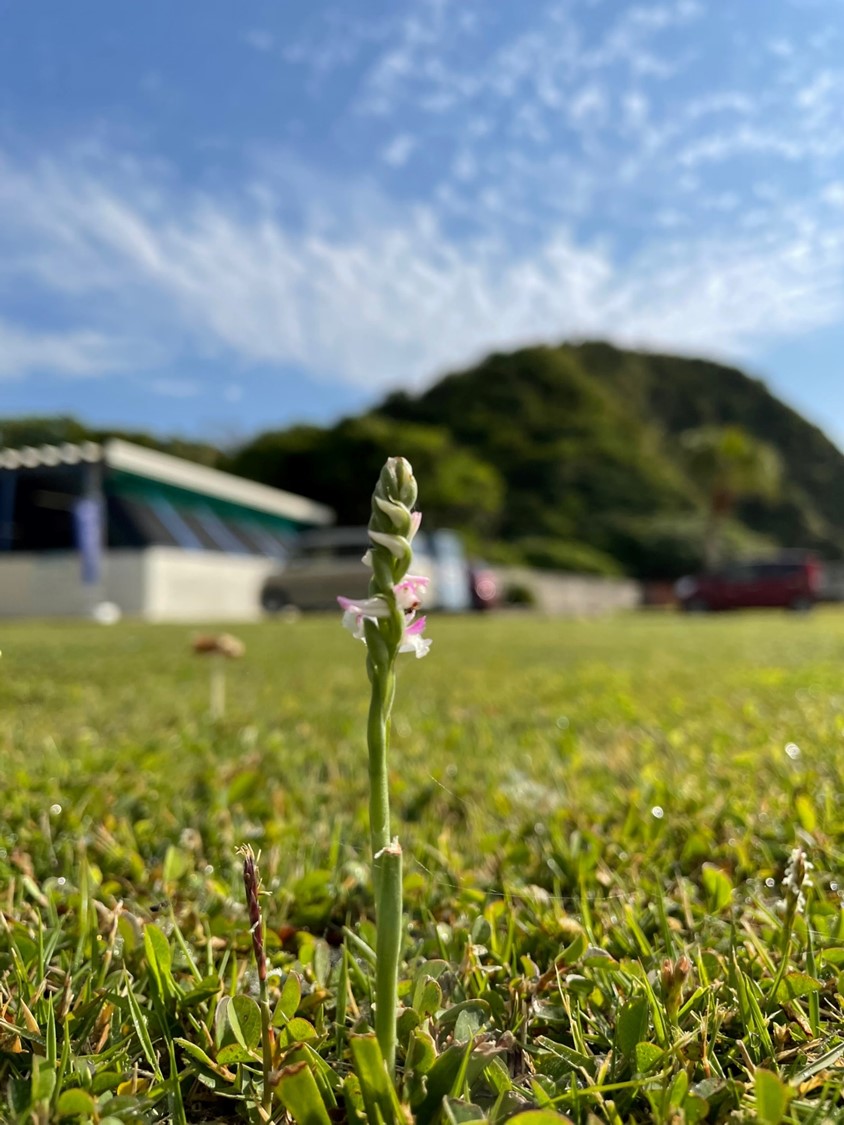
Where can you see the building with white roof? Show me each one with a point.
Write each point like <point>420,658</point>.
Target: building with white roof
<point>162,538</point>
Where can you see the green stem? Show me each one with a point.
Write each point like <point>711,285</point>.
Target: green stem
<point>388,950</point>
<point>377,737</point>
<point>386,860</point>
<point>266,1043</point>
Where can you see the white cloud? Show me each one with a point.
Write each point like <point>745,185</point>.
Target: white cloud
<point>399,150</point>
<point>259,39</point>
<point>27,351</point>
<point>383,296</point>
<point>175,388</point>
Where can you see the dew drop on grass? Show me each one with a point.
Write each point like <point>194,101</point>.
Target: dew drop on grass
<point>61,880</point>
<point>658,811</point>
<point>793,750</point>
<point>563,722</point>
<point>55,809</point>
<point>769,882</point>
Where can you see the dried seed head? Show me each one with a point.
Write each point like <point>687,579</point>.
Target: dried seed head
<point>252,886</point>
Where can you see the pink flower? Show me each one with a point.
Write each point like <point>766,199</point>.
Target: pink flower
<point>355,613</point>
<point>413,639</point>
<point>409,592</point>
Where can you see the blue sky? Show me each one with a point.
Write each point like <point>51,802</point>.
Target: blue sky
<point>220,217</point>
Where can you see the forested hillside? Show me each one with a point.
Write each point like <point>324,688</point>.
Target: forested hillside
<point>565,456</point>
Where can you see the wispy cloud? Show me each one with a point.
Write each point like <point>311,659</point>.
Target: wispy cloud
<point>387,296</point>
<point>175,388</point>
<point>398,151</point>
<point>563,168</point>
<point>79,353</point>
<point>259,39</point>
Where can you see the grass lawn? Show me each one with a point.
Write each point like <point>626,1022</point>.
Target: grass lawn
<point>596,819</point>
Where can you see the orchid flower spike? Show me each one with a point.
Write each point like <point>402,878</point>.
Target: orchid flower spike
<point>387,620</point>
<point>388,623</point>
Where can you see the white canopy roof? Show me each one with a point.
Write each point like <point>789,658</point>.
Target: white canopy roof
<point>153,465</point>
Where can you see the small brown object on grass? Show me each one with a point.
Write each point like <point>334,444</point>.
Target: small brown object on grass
<point>220,647</point>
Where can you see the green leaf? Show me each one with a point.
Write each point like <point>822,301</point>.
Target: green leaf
<point>141,1029</point>
<point>796,984</point>
<point>719,888</point>
<point>238,1029</point>
<point>539,1117</point>
<point>238,1020</point>
<point>198,1055</point>
<point>772,1097</point>
<point>695,1108</point>
<point>470,1022</point>
<point>176,864</point>
<point>457,1111</point>
<point>298,1030</point>
<point>288,1002</point>
<point>407,1021</point>
<point>204,989</point>
<point>300,1096</point>
<point>647,1057</point>
<point>678,1091</point>
<point>422,1050</point>
<point>455,1069</point>
<point>575,950</point>
<point>160,959</point>
<point>43,1082</point>
<point>427,997</point>
<point>632,1026</point>
<point>478,1010</point>
<point>76,1103</point>
<point>353,1100</point>
<point>805,811</point>
<point>377,1091</point>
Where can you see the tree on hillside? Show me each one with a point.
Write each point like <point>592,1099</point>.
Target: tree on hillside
<point>727,463</point>
<point>461,489</point>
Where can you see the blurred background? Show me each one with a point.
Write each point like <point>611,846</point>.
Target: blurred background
<point>581,262</point>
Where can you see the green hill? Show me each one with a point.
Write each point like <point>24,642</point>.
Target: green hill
<point>566,457</point>
<point>586,437</point>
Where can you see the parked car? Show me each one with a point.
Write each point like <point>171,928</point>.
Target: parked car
<point>785,582</point>
<point>483,587</point>
<point>328,562</point>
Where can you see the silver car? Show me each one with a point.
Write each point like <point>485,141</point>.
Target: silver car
<point>329,562</point>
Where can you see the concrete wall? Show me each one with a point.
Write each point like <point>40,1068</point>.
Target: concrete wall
<point>159,584</point>
<point>571,595</point>
<point>203,585</point>
<point>49,585</point>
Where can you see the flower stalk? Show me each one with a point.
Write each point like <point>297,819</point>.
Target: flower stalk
<point>388,623</point>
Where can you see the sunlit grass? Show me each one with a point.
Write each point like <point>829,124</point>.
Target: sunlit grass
<point>577,802</point>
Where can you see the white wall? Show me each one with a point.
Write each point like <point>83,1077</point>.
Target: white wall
<point>159,584</point>
<point>571,595</point>
<point>49,585</point>
<point>203,585</point>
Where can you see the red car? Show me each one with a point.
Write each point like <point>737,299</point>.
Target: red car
<point>783,583</point>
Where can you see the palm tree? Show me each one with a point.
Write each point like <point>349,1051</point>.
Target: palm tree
<point>727,463</point>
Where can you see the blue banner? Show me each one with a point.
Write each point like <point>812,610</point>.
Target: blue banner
<point>87,515</point>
